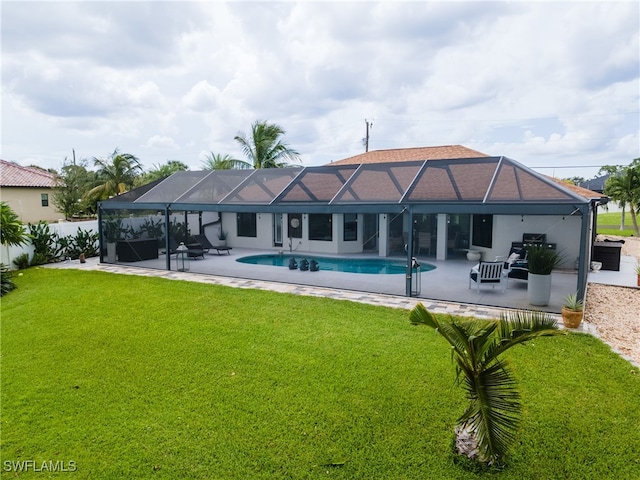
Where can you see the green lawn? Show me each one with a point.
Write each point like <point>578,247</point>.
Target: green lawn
<point>609,224</point>
<point>135,377</point>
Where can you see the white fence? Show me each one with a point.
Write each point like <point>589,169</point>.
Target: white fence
<point>7,254</point>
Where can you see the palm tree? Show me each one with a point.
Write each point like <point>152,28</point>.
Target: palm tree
<point>118,173</point>
<point>624,188</point>
<point>161,171</point>
<point>264,149</point>
<point>11,233</point>
<point>217,161</point>
<point>488,426</point>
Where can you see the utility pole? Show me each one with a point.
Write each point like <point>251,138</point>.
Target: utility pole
<point>366,139</point>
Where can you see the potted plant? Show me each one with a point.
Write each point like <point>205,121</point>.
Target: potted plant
<point>112,231</point>
<point>572,311</point>
<point>638,273</point>
<point>541,261</point>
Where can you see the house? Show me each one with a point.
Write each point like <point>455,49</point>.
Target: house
<point>29,192</point>
<point>399,203</point>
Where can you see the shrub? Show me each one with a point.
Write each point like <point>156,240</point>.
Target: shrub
<point>6,280</point>
<point>46,244</point>
<point>21,261</point>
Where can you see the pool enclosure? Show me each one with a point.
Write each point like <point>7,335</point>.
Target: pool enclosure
<point>431,208</point>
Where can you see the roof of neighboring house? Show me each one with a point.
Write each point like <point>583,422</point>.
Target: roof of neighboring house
<point>407,154</point>
<point>583,192</point>
<point>14,175</point>
<point>596,184</point>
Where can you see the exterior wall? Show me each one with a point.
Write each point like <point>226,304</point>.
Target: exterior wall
<point>265,235</point>
<point>26,202</point>
<point>563,231</point>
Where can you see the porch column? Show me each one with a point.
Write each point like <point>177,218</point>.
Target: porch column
<point>585,251</point>
<point>409,270</point>
<point>167,222</point>
<point>383,235</point>
<point>441,241</point>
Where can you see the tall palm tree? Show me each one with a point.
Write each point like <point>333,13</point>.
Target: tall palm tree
<point>117,174</point>
<point>264,149</point>
<point>624,188</point>
<point>488,426</point>
<point>217,161</point>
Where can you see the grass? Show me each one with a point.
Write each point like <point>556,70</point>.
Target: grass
<point>135,377</point>
<point>609,224</point>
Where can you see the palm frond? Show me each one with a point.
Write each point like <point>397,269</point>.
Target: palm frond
<point>519,327</point>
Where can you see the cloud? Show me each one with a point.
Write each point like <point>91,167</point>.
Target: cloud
<point>535,81</point>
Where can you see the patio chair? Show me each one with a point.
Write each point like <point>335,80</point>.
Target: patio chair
<point>515,263</point>
<point>488,273</point>
<point>204,242</point>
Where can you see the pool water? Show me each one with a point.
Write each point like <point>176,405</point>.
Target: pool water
<point>376,266</point>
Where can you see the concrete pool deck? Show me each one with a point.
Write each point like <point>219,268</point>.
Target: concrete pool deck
<point>283,286</point>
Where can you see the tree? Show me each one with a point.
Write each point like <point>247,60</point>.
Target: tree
<point>488,426</point>
<point>264,149</point>
<point>574,180</point>
<point>161,171</point>
<point>217,161</point>
<point>623,186</point>
<point>73,182</point>
<point>11,233</point>
<point>117,174</point>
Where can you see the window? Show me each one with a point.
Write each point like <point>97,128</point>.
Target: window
<point>350,227</point>
<point>320,227</point>
<point>483,230</point>
<point>246,225</point>
<point>44,199</point>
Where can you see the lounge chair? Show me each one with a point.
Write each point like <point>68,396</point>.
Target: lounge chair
<point>206,245</point>
<point>488,273</point>
<point>204,242</point>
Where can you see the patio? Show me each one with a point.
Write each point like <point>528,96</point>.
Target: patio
<point>449,281</point>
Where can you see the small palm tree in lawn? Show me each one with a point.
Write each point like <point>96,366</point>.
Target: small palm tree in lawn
<point>217,161</point>
<point>264,149</point>
<point>488,426</point>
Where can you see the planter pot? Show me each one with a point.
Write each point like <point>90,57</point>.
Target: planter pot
<point>539,289</point>
<point>639,280</point>
<point>474,255</point>
<point>111,253</point>
<point>571,318</point>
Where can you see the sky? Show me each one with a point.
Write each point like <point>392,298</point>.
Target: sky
<point>552,85</point>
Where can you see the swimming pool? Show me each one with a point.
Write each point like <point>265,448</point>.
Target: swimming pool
<point>376,266</point>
